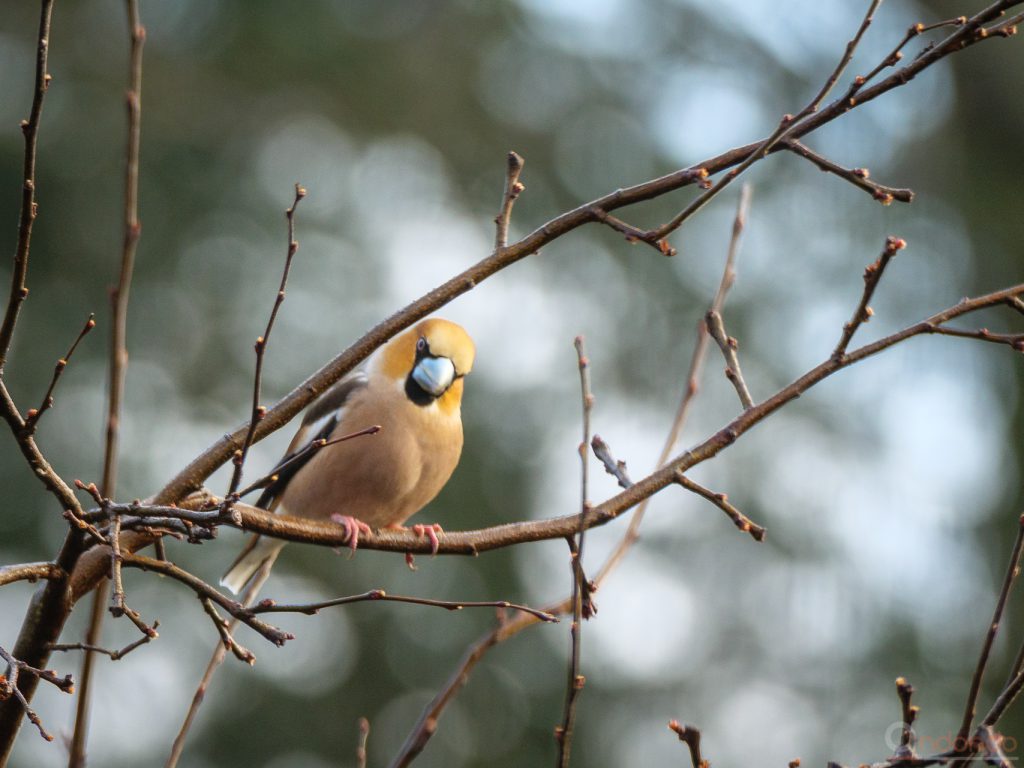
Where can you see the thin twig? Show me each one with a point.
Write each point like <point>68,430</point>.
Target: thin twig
<point>426,726</point>
<point>897,53</point>
<point>202,589</point>
<point>34,414</point>
<point>990,635</point>
<point>114,654</point>
<point>1006,28</point>
<point>1004,700</point>
<point>118,368</point>
<point>787,128</point>
<point>633,234</point>
<point>224,630</point>
<point>729,347</point>
<point>301,455</point>
<point>993,744</point>
<point>1015,340</point>
<point>29,208</point>
<point>580,593</point>
<point>693,375</point>
<point>872,275</point>
<point>720,500</point>
<point>9,686</point>
<point>859,177</point>
<point>689,734</point>
<point>1014,303</point>
<point>255,584</point>
<point>117,604</point>
<point>310,609</point>
<point>513,188</point>
<point>261,348</point>
<point>908,713</point>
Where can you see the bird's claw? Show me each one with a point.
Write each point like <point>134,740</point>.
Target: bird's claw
<point>431,531</point>
<point>353,527</point>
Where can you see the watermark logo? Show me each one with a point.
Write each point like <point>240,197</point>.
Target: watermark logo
<point>934,744</point>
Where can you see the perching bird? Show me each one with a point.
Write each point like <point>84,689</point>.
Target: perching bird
<point>412,388</point>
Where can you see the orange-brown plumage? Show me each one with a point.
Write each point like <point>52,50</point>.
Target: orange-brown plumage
<point>412,387</point>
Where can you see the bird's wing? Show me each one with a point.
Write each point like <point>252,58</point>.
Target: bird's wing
<point>318,424</point>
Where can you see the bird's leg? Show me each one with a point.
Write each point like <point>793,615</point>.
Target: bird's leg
<point>431,531</point>
<point>353,528</point>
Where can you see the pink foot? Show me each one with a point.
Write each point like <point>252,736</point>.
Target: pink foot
<point>353,528</point>
<point>431,531</point>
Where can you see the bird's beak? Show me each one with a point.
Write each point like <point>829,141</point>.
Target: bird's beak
<point>434,374</point>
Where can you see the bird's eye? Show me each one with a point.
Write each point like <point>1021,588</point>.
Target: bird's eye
<point>421,344</point>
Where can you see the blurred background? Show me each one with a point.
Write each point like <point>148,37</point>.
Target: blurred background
<point>890,492</point>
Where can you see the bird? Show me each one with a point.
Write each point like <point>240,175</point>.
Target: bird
<point>412,388</point>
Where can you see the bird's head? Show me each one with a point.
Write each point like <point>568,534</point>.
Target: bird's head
<point>430,360</point>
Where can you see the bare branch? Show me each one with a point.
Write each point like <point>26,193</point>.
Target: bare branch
<point>872,275</point>
<point>216,659</point>
<point>993,747</point>
<point>1015,340</point>
<point>788,127</point>
<point>581,604</point>
<point>115,655</point>
<point>31,572</point>
<point>204,590</point>
<point>729,347</point>
<point>1015,303</point>
<point>694,371</point>
<point>118,368</point>
<point>310,609</point>
<point>29,208</point>
<point>426,726</point>
<point>720,500</point>
<point>9,686</point>
<point>993,628</point>
<point>631,233</point>
<point>908,712</point>
<point>261,348</point>
<point>224,630</point>
<point>513,188</point>
<point>33,416</point>
<point>691,736</point>
<point>301,455</point>
<point>859,177</point>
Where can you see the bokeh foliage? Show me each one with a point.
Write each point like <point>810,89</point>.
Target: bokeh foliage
<point>890,492</point>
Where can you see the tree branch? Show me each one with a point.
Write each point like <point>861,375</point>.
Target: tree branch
<point>872,275</point>
<point>859,177</point>
<point>1012,570</point>
<point>269,606</point>
<point>31,572</point>
<point>29,209</point>
<point>261,348</point>
<point>720,500</point>
<point>730,348</point>
<point>513,188</point>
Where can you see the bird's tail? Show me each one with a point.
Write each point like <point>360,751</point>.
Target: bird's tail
<point>259,550</point>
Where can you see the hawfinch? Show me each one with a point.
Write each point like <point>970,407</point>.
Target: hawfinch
<point>412,388</point>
